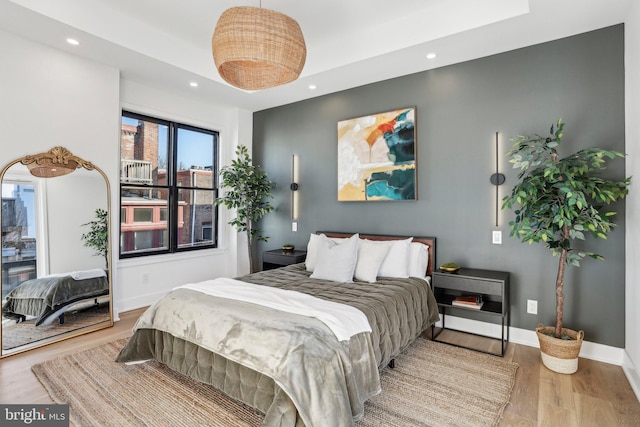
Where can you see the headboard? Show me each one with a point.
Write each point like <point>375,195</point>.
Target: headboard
<point>429,241</point>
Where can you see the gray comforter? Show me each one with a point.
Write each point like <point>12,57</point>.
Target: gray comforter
<point>45,296</point>
<point>398,310</point>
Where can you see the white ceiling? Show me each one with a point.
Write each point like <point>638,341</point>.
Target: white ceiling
<point>350,43</point>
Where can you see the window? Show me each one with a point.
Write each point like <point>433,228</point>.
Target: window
<point>207,231</point>
<point>168,183</point>
<point>19,229</point>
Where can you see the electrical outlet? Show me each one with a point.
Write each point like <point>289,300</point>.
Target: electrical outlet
<point>496,237</point>
<point>532,306</point>
<point>145,277</point>
<point>294,226</point>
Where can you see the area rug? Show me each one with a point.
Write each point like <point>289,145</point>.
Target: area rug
<point>433,384</point>
<point>17,334</point>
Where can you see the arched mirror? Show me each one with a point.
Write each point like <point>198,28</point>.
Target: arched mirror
<point>56,277</point>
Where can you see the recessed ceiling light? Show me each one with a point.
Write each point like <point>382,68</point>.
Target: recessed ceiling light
<point>431,55</point>
<point>193,84</point>
<point>312,87</point>
<point>73,41</point>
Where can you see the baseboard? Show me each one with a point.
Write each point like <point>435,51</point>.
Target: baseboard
<point>631,372</point>
<point>137,302</point>
<point>589,350</point>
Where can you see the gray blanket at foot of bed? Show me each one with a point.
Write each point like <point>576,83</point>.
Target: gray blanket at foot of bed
<point>327,380</point>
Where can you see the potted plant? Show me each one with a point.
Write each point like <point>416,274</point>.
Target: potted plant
<point>559,200</point>
<point>98,235</point>
<point>246,190</point>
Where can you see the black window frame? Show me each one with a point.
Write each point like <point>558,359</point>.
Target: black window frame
<point>173,188</point>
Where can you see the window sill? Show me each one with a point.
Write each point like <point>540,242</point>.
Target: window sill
<point>164,258</point>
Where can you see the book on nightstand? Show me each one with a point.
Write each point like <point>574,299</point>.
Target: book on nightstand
<point>468,301</point>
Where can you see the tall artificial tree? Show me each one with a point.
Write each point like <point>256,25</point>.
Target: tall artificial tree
<point>247,190</point>
<point>561,199</point>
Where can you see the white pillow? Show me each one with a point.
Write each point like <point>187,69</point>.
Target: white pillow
<point>396,263</point>
<point>370,257</point>
<point>418,259</point>
<point>312,250</point>
<point>336,261</point>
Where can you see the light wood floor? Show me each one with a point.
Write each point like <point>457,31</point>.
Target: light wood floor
<point>597,395</point>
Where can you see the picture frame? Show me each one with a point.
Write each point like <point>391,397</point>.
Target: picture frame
<point>377,157</point>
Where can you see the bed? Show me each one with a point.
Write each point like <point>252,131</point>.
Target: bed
<point>48,298</point>
<point>295,368</point>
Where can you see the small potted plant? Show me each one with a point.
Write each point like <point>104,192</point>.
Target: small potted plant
<point>98,235</point>
<point>558,201</point>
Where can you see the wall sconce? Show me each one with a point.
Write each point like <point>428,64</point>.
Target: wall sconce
<point>294,187</point>
<point>497,179</point>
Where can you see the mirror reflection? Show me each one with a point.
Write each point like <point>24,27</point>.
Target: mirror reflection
<point>55,249</point>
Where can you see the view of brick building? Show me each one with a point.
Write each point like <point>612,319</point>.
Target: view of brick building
<point>144,209</point>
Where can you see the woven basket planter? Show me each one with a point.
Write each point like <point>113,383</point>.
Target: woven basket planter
<point>560,355</point>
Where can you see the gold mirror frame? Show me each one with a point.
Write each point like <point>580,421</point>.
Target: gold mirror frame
<point>57,162</point>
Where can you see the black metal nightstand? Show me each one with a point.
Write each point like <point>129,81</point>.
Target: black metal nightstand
<point>492,286</point>
<point>278,258</point>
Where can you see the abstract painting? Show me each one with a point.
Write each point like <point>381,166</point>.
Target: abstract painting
<point>377,157</point>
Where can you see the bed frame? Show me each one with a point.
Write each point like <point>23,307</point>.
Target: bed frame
<point>429,241</point>
<point>198,367</point>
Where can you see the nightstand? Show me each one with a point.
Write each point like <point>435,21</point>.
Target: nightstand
<point>492,286</point>
<point>278,258</point>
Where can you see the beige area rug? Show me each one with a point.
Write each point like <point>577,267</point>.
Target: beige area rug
<point>433,384</point>
<point>17,334</point>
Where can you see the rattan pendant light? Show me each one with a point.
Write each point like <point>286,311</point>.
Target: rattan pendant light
<point>255,48</point>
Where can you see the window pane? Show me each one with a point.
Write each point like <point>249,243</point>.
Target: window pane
<point>195,158</point>
<point>195,214</point>
<point>142,214</point>
<point>142,228</point>
<point>143,148</point>
<point>207,232</point>
<point>149,239</point>
<point>18,212</point>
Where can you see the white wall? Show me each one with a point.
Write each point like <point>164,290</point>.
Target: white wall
<point>631,363</point>
<point>50,98</point>
<point>71,200</point>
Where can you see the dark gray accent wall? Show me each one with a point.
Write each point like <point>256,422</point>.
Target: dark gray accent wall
<point>459,109</point>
